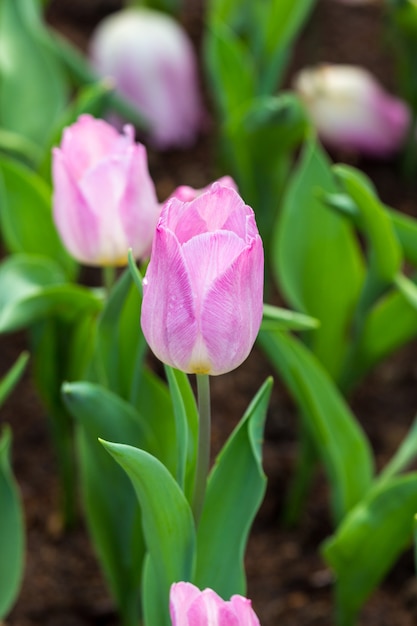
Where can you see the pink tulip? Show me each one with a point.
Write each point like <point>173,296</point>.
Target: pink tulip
<point>351,111</point>
<point>203,290</point>
<point>186,193</point>
<point>191,607</point>
<point>152,61</point>
<point>104,199</point>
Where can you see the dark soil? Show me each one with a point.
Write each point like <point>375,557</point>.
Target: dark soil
<point>287,579</point>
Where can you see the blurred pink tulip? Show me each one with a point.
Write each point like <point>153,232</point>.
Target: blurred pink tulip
<point>189,606</point>
<point>104,199</point>
<point>186,193</point>
<point>351,111</point>
<point>152,61</point>
<point>203,290</point>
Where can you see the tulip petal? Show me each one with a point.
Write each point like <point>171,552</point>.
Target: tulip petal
<point>185,193</point>
<point>208,256</point>
<point>139,225</point>
<point>220,208</point>
<point>244,611</point>
<point>208,609</point>
<point>75,222</point>
<point>181,596</point>
<point>231,313</point>
<point>103,188</point>
<point>86,142</point>
<point>168,314</point>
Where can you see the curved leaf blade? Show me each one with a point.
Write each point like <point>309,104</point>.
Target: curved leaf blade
<point>369,540</point>
<point>10,380</point>
<point>26,216</point>
<point>317,260</point>
<point>235,490</point>
<point>107,490</point>
<point>12,533</point>
<point>338,437</point>
<point>167,520</point>
<point>33,287</point>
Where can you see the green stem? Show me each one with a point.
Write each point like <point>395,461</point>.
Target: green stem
<point>109,277</point>
<point>203,452</point>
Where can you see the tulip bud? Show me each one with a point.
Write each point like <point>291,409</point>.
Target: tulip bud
<point>188,606</point>
<point>186,193</point>
<point>153,64</point>
<point>104,199</point>
<point>203,290</point>
<point>351,111</point>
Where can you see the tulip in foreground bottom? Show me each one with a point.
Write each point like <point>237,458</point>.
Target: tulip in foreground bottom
<point>203,291</point>
<point>191,607</point>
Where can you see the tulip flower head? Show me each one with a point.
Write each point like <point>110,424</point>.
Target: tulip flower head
<point>152,62</point>
<point>189,606</point>
<point>351,111</point>
<point>203,289</point>
<point>104,199</point>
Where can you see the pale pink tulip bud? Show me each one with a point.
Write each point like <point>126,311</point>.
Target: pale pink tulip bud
<point>186,193</point>
<point>104,199</point>
<point>203,290</point>
<point>190,606</point>
<point>152,62</point>
<point>351,111</point>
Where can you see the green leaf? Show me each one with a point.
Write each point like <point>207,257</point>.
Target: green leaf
<point>120,345</point>
<point>230,68</point>
<point>369,540</point>
<point>10,380</point>
<point>153,398</point>
<point>278,22</point>
<point>107,490</point>
<point>26,217</point>
<point>134,270</point>
<point>167,521</point>
<point>261,135</point>
<point>33,89</point>
<point>276,318</point>
<point>225,11</point>
<point>338,437</point>
<point>118,363</point>
<point>317,260</point>
<point>381,335</point>
<point>19,146</point>
<point>12,532</point>
<point>375,223</point>
<point>407,288</point>
<point>403,457</point>
<point>186,422</point>
<point>235,490</point>
<point>33,288</point>
<point>405,228</point>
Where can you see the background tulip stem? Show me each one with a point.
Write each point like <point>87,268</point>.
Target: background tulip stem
<point>109,277</point>
<point>203,454</point>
